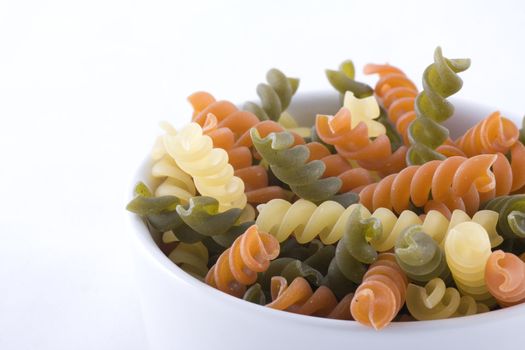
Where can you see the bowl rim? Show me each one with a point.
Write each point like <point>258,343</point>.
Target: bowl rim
<point>149,249</point>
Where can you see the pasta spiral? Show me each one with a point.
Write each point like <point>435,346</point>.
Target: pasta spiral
<point>213,176</point>
<point>290,165</point>
<point>238,265</point>
<point>498,135</point>
<point>455,183</point>
<point>192,258</point>
<point>435,301</point>
<point>381,295</point>
<point>505,278</point>
<point>192,222</point>
<point>355,144</point>
<point>255,177</point>
<point>488,219</point>
<point>304,219</point>
<point>397,93</point>
<point>275,96</point>
<point>171,179</point>
<point>440,80</point>
<point>353,179</point>
<point>229,117</point>
<point>299,298</point>
<point>511,221</point>
<point>343,80</point>
<point>494,134</point>
<point>420,256</point>
<point>467,249</point>
<point>225,127</point>
<point>353,250</point>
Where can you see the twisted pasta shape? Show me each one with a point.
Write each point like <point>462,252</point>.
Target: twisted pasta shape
<point>222,137</point>
<point>420,256</point>
<point>455,183</point>
<point>171,179</point>
<point>202,215</point>
<point>440,80</point>
<point>467,249</point>
<point>229,117</point>
<point>505,278</point>
<point>498,135</point>
<point>364,110</point>
<point>381,295</point>
<point>397,93</point>
<point>494,134</point>
<point>191,222</point>
<point>435,301</point>
<point>330,221</point>
<point>299,298</point>
<point>355,144</point>
<point>343,80</point>
<point>304,219</point>
<point>488,219</point>
<point>238,265</point>
<point>255,177</point>
<point>213,176</point>
<point>290,165</point>
<point>511,221</point>
<point>353,179</point>
<point>364,235</point>
<point>192,258</point>
<point>275,96</point>
<point>225,128</point>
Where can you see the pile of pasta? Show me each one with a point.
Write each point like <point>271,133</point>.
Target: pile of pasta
<point>374,214</point>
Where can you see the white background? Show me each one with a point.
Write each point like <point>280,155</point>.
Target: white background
<point>83,85</point>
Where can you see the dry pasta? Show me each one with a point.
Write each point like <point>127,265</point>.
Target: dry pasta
<point>374,214</point>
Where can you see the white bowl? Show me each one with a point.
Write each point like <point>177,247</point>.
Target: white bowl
<point>181,312</point>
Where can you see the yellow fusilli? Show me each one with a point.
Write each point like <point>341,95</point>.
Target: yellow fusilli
<point>213,175</point>
<point>170,178</point>
<point>467,249</point>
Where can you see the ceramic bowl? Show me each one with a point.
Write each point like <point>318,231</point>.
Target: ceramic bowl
<point>181,312</point>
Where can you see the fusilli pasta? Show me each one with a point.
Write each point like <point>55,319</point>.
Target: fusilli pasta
<point>420,256</point>
<point>238,265</point>
<point>440,80</point>
<point>290,165</point>
<point>455,183</point>
<point>435,301</point>
<point>355,143</point>
<point>505,278</point>
<point>213,176</point>
<point>467,249</point>
<point>397,93</point>
<point>299,298</point>
<point>381,295</point>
